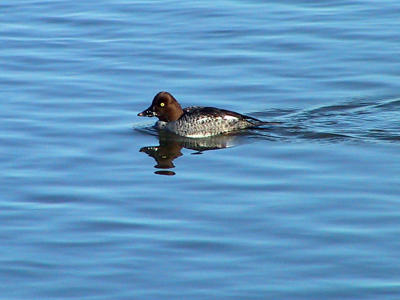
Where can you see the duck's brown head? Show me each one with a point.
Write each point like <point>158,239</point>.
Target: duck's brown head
<point>164,107</point>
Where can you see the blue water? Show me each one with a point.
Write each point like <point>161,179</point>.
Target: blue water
<point>95,204</point>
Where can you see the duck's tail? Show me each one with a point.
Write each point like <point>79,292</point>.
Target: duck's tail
<point>256,122</point>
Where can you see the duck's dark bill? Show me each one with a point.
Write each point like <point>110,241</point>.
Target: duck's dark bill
<point>146,113</point>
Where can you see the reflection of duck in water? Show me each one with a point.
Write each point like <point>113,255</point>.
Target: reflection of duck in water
<point>171,145</point>
<point>196,122</point>
<point>164,154</point>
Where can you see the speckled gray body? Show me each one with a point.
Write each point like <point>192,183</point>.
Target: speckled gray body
<point>199,122</point>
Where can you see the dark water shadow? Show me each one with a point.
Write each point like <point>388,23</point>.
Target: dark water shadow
<point>170,146</point>
<point>357,121</point>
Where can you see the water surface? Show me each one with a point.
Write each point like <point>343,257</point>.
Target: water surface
<point>307,209</point>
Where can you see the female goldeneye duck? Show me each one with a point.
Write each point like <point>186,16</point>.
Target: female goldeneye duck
<point>195,121</point>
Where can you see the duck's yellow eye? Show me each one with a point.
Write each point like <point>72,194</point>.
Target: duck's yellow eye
<point>162,104</point>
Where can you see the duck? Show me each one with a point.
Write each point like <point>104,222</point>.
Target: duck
<point>195,121</point>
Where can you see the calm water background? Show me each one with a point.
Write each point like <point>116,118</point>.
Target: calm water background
<point>309,209</point>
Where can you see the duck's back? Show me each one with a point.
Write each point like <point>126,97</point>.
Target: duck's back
<point>207,121</point>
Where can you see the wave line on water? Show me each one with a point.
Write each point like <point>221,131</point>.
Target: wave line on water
<point>357,120</point>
